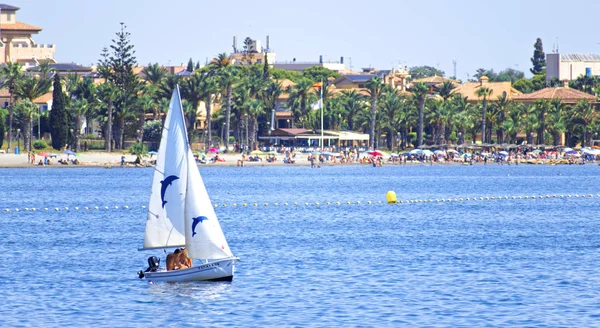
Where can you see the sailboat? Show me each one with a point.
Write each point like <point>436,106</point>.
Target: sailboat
<point>180,213</point>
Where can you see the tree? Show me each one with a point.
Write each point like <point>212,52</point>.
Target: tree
<point>190,66</point>
<point>282,74</point>
<point>374,86</point>
<point>354,103</point>
<point>417,72</point>
<point>59,120</point>
<point>3,113</point>
<point>266,67</point>
<point>227,75</point>
<point>319,73</point>
<point>420,91</point>
<point>524,85</point>
<point>484,93</point>
<point>539,58</point>
<point>108,93</point>
<point>28,111</point>
<point>12,74</point>
<point>117,68</point>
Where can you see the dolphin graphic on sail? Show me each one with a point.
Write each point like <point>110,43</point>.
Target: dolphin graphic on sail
<point>164,184</point>
<point>195,223</point>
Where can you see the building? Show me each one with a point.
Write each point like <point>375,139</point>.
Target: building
<point>16,41</point>
<point>564,93</point>
<point>297,66</point>
<point>64,69</point>
<point>571,66</point>
<point>469,90</point>
<point>252,53</point>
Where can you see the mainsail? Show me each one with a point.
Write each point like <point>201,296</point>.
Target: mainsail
<point>165,225</point>
<point>180,211</point>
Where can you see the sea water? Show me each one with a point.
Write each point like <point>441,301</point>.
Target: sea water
<point>508,262</point>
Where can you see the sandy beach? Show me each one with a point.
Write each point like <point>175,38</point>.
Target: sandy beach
<point>96,159</point>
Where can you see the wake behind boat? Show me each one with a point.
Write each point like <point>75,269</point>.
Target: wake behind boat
<point>180,213</point>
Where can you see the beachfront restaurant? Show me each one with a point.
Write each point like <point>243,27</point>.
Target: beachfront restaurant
<point>299,138</point>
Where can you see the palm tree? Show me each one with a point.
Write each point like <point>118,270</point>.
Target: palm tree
<point>503,106</point>
<point>392,106</point>
<point>108,93</point>
<point>420,91</point>
<point>154,74</point>
<point>484,93</point>
<point>586,116</point>
<point>300,95</point>
<point>557,120</point>
<point>445,89</point>
<point>193,90</point>
<point>462,119</point>
<point>227,76</point>
<point>254,108</point>
<point>353,102</point>
<point>29,111</point>
<point>541,106</point>
<point>79,108</point>
<point>12,74</point>
<point>374,86</point>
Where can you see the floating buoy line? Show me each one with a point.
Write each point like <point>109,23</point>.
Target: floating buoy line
<point>390,199</point>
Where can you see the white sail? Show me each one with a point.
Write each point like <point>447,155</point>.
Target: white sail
<point>203,233</point>
<point>165,225</point>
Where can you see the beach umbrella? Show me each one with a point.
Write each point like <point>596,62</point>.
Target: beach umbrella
<point>393,155</point>
<point>452,151</point>
<point>69,152</point>
<point>152,152</point>
<point>427,153</point>
<point>44,154</point>
<point>567,149</point>
<point>214,150</point>
<point>375,153</point>
<point>314,153</point>
<point>415,151</point>
<point>465,155</point>
<point>255,152</point>
<point>504,153</point>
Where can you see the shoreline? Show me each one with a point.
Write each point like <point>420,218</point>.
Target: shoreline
<point>113,160</point>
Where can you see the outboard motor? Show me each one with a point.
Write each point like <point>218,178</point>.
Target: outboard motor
<point>153,265</point>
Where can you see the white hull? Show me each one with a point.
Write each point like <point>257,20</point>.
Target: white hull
<point>220,270</point>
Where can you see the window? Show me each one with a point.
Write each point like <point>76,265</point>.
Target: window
<point>259,61</point>
<point>360,85</point>
<point>9,16</point>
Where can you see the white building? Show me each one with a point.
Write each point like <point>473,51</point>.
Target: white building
<point>571,66</point>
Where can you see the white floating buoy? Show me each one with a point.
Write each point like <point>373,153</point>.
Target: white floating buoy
<point>143,206</point>
<point>56,209</point>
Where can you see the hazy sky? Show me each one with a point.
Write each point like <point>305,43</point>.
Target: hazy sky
<point>381,34</point>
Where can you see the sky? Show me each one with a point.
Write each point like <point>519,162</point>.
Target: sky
<point>380,34</point>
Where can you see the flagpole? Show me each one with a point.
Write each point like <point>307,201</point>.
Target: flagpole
<point>322,105</point>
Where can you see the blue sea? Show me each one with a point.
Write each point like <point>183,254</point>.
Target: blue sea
<point>477,263</point>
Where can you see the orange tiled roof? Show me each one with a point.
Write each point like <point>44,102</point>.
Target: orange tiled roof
<point>19,26</point>
<point>469,90</point>
<point>566,94</point>
<point>434,80</point>
<point>43,99</point>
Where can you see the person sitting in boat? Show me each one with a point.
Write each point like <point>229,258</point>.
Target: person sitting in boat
<point>184,260</point>
<point>173,260</point>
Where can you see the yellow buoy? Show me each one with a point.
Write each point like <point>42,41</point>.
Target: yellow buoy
<point>391,197</point>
